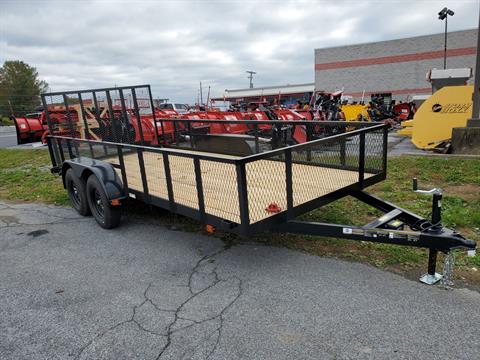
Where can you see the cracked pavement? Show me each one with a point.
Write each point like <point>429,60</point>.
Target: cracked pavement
<point>71,290</point>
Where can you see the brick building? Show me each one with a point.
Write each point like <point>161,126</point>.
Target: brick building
<point>396,66</point>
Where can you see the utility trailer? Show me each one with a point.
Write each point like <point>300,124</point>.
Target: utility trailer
<point>264,185</point>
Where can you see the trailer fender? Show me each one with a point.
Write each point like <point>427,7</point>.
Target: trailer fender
<point>84,167</point>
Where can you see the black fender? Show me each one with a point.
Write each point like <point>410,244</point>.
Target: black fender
<point>83,167</point>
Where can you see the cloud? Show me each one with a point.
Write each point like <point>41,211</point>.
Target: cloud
<point>174,45</point>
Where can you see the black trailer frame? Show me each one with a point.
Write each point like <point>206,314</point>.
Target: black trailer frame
<point>359,155</point>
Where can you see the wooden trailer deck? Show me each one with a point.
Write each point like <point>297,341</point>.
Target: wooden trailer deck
<point>265,183</point>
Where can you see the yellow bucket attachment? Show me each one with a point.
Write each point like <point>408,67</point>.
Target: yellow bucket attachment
<point>353,112</point>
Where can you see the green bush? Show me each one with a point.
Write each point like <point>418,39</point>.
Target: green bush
<point>6,121</point>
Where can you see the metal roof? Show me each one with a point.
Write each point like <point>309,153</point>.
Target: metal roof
<point>268,90</point>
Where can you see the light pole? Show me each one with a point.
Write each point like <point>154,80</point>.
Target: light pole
<point>443,15</point>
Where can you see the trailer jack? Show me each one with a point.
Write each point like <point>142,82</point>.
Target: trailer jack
<point>389,229</point>
<point>432,277</point>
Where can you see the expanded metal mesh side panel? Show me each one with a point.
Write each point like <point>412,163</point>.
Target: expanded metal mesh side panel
<point>374,152</point>
<point>343,152</point>
<point>63,122</point>
<point>220,190</point>
<point>82,149</point>
<point>132,170</point>
<point>155,173</point>
<point>56,151</point>
<point>64,149</point>
<point>104,152</point>
<point>114,119</point>
<point>134,105</point>
<point>183,181</point>
<point>266,187</point>
<point>72,118</point>
<point>107,153</point>
<point>120,115</point>
<point>319,169</point>
<point>100,126</point>
<point>68,149</point>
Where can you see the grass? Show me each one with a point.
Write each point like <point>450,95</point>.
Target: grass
<point>460,179</point>
<point>6,121</point>
<point>25,176</point>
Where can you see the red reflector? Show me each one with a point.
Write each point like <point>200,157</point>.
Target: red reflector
<point>273,208</point>
<point>115,202</point>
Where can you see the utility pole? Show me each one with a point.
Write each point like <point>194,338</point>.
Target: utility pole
<point>208,98</point>
<point>250,77</point>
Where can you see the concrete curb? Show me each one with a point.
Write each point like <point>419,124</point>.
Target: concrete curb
<point>428,154</point>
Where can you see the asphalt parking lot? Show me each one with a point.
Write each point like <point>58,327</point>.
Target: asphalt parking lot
<point>8,139</point>
<point>71,290</point>
<point>8,136</point>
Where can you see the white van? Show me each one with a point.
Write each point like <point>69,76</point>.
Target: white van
<point>180,108</point>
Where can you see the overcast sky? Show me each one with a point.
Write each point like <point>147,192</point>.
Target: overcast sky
<point>172,45</point>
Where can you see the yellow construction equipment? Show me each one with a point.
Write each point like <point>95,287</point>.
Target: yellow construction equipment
<point>355,112</point>
<point>434,120</point>
<point>407,128</point>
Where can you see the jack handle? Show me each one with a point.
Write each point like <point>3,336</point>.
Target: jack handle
<point>434,191</point>
<point>436,205</point>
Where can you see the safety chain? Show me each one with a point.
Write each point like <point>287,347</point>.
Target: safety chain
<point>449,263</point>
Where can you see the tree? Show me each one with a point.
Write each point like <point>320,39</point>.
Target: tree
<point>20,88</point>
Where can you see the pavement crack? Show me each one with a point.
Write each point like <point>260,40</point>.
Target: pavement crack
<point>193,294</point>
<point>208,257</point>
<point>158,308</point>
<point>130,320</point>
<point>99,336</point>
<point>219,316</point>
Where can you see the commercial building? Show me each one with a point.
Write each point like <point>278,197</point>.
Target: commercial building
<point>283,94</point>
<point>394,66</point>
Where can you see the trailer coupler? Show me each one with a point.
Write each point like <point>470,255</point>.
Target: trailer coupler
<point>445,241</point>
<point>390,229</point>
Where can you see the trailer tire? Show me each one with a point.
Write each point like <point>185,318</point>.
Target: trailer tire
<point>77,193</point>
<point>106,215</point>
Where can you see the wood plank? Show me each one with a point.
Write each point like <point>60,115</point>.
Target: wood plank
<point>265,183</point>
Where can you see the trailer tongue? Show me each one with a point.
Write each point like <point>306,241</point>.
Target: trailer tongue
<point>264,186</point>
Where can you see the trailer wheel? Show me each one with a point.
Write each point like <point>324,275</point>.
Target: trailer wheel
<point>106,215</point>
<point>77,193</point>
